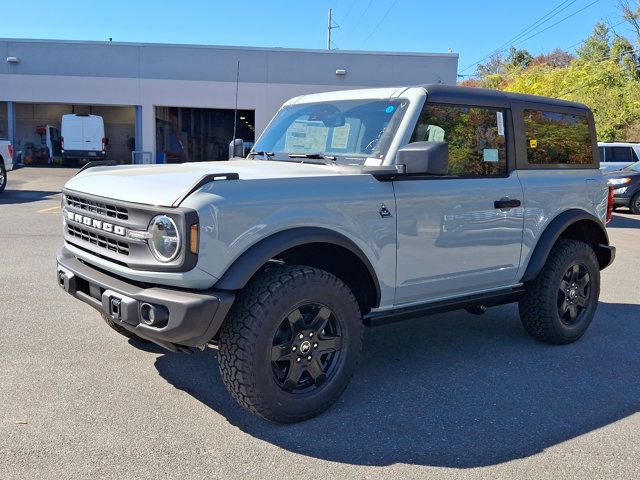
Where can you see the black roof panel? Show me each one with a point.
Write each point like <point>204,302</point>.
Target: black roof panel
<point>494,98</point>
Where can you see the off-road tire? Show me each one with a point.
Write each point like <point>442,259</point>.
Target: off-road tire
<point>120,329</point>
<point>634,204</point>
<point>248,332</point>
<point>3,175</point>
<point>539,309</point>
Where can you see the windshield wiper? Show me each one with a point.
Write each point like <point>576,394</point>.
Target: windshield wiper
<point>313,156</point>
<point>266,155</point>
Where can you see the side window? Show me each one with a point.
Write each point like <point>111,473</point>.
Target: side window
<point>557,138</point>
<point>620,154</point>
<point>601,154</point>
<point>475,136</point>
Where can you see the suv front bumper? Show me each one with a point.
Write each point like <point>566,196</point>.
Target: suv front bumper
<point>194,317</point>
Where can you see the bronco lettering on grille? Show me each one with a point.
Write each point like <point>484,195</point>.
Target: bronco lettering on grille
<point>97,224</point>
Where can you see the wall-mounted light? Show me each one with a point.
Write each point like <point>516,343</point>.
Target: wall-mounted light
<point>341,71</point>
<point>13,60</point>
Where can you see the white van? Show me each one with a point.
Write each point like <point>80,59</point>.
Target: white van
<point>82,137</point>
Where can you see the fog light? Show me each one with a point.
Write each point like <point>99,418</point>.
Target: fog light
<point>154,315</point>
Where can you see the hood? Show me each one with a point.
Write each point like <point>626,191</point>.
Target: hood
<point>164,185</point>
<point>621,173</point>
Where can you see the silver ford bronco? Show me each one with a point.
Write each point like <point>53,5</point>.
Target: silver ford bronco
<point>353,209</point>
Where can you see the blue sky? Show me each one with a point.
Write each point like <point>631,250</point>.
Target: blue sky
<point>472,28</point>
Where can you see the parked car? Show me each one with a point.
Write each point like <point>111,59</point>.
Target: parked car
<point>82,137</point>
<point>6,162</point>
<point>614,156</point>
<point>626,185</point>
<point>352,209</point>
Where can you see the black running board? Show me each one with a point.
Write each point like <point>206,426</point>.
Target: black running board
<point>491,299</point>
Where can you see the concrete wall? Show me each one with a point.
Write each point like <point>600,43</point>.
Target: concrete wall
<point>147,75</point>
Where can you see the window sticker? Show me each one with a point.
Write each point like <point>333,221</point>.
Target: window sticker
<point>372,162</point>
<point>490,155</point>
<point>306,136</point>
<point>533,143</point>
<point>340,138</point>
<point>500,119</point>
<point>390,109</point>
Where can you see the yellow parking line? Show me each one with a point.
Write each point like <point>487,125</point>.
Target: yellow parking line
<point>50,209</point>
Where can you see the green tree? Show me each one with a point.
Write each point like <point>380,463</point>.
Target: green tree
<point>597,46</point>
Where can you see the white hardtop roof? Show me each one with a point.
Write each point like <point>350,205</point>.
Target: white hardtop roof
<point>360,94</point>
<point>618,144</point>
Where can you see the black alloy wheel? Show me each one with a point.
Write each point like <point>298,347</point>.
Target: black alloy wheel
<point>306,348</point>
<point>574,293</point>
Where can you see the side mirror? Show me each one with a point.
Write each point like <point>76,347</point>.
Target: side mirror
<point>236,148</point>
<point>430,158</point>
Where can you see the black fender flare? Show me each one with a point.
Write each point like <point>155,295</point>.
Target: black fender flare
<point>256,256</point>
<point>554,231</point>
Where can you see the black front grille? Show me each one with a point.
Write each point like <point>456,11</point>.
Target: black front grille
<point>99,208</point>
<point>99,240</point>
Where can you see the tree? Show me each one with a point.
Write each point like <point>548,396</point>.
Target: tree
<point>632,16</point>
<point>597,46</point>
<point>556,59</point>
<point>493,66</point>
<point>519,58</point>
<point>623,53</point>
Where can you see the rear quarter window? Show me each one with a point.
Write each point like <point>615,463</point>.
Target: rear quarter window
<point>620,154</point>
<point>554,138</point>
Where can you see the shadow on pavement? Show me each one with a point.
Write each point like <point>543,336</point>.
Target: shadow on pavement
<point>453,390</point>
<point>618,221</point>
<point>13,197</point>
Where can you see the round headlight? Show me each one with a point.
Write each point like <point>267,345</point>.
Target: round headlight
<point>164,241</point>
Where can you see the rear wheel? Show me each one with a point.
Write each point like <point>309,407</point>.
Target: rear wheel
<point>3,175</point>
<point>291,343</point>
<point>560,303</point>
<point>634,204</point>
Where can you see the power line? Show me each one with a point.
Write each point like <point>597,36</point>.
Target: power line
<point>559,21</point>
<point>359,20</point>
<point>540,22</point>
<point>541,31</point>
<point>528,29</point>
<point>346,15</point>
<point>380,22</point>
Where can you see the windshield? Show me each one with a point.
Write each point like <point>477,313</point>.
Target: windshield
<point>345,131</point>
<point>634,166</point>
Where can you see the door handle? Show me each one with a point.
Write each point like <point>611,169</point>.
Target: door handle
<point>506,203</point>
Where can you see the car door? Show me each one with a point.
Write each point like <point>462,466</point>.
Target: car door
<point>460,233</point>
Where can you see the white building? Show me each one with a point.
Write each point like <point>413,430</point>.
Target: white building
<point>177,101</point>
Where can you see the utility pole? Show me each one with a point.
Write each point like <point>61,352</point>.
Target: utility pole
<point>329,27</point>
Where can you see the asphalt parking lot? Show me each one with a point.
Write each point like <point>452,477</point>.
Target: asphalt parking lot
<point>450,396</point>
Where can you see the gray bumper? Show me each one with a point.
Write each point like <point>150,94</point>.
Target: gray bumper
<point>621,201</point>
<point>194,317</point>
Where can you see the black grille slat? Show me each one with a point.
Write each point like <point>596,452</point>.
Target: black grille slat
<point>99,240</point>
<point>99,208</point>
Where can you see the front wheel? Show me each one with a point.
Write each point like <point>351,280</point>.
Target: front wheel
<point>120,329</point>
<point>634,204</point>
<point>560,303</point>
<point>290,343</point>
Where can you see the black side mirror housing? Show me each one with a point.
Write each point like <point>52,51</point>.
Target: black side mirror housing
<point>429,158</point>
